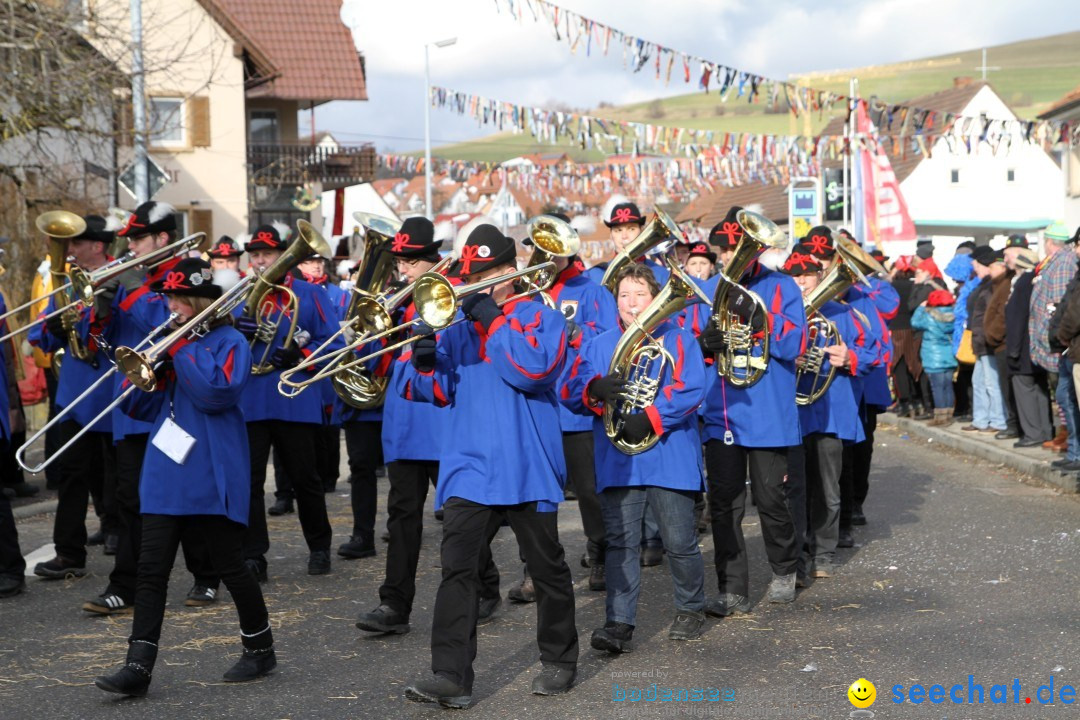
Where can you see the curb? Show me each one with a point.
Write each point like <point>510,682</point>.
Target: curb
<point>38,508</point>
<point>1037,464</point>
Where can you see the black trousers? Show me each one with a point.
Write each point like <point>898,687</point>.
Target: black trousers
<point>962,389</point>
<point>1008,398</point>
<point>581,467</point>
<point>824,460</point>
<point>53,474</point>
<point>328,457</point>
<point>124,576</point>
<point>85,467</point>
<point>795,492</point>
<point>1032,395</point>
<point>160,539</point>
<point>363,443</point>
<point>727,469</point>
<point>467,527</point>
<point>296,442</point>
<point>12,563</point>
<point>855,475</point>
<point>11,473</point>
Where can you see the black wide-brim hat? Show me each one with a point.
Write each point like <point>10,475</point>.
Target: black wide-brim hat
<point>191,277</point>
<point>266,237</point>
<point>728,232</point>
<point>819,242</point>
<point>415,239</point>
<point>700,249</point>
<point>150,218</point>
<point>625,214</point>
<point>225,247</point>
<point>801,262</point>
<point>486,247</point>
<point>96,230</point>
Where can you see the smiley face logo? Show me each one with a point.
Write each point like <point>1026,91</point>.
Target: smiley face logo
<point>862,693</point>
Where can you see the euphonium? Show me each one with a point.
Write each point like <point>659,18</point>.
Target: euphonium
<point>60,226</point>
<point>659,229</point>
<point>551,238</point>
<point>746,356</point>
<point>308,241</point>
<point>641,360</point>
<point>812,380</point>
<point>355,386</point>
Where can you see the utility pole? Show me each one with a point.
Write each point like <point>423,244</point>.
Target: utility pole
<point>138,104</point>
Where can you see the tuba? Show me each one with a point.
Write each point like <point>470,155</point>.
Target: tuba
<point>61,226</point>
<point>660,228</point>
<point>308,240</point>
<point>812,380</point>
<point>641,360</point>
<point>745,357</point>
<point>354,386</point>
<point>551,238</point>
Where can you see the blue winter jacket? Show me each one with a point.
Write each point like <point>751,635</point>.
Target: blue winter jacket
<point>937,324</point>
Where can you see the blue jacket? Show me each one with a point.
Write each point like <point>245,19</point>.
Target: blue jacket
<point>675,461</point>
<point>505,446</point>
<point>134,315</point>
<point>694,317</point>
<point>262,401</point>
<point>837,411</point>
<point>937,324</point>
<point>960,270</point>
<point>203,394</point>
<point>878,304</point>
<point>762,415</point>
<point>593,309</point>
<point>5,417</point>
<point>77,375</point>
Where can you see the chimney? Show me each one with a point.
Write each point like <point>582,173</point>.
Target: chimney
<point>963,81</point>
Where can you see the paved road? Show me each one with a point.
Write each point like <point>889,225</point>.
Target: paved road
<point>961,571</point>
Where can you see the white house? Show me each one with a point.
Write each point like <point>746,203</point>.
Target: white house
<point>1068,108</point>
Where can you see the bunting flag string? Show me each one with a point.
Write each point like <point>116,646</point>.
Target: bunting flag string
<point>758,89</point>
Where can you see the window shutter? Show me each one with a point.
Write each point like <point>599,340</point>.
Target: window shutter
<point>200,121</point>
<point>203,221</point>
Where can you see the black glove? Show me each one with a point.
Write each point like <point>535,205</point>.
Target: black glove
<point>423,356</point>
<point>607,389</point>
<point>636,427</point>
<point>246,325</point>
<point>55,325</point>
<point>286,357</point>
<point>711,339</point>
<point>481,308</point>
<point>164,366</point>
<point>748,311</point>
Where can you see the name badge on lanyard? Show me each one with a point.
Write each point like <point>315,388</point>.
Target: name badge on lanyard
<point>174,441</point>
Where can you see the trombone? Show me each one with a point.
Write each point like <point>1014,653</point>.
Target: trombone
<point>437,302</point>
<point>20,454</point>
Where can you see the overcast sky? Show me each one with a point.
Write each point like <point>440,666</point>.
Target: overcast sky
<point>497,57</point>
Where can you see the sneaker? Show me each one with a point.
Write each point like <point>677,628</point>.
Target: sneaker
<point>384,619</point>
<point>60,568</point>
<point>553,680</point>
<point>845,539</point>
<point>486,612</point>
<point>614,637</point>
<point>252,665</point>
<point>823,568</point>
<point>257,568</point>
<point>728,604</point>
<point>112,544</point>
<point>11,586</point>
<point>597,578</point>
<point>358,547</point>
<point>318,562</point>
<point>687,625</point>
<point>281,506</point>
<point>651,556</point>
<point>200,596</point>
<point>438,689</point>
<point>782,588</point>
<point>106,604</point>
<point>857,516</point>
<point>523,592</point>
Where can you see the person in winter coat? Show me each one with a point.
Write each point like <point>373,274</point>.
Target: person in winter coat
<point>1029,381</point>
<point>935,317</point>
<point>989,414</point>
<point>960,271</point>
<point>1001,278</point>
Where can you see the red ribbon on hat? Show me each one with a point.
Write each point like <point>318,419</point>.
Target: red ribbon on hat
<point>469,255</point>
<point>401,242</point>
<point>174,281</point>
<point>266,236</point>
<point>699,248</point>
<point>130,224</point>
<point>223,249</point>
<point>819,244</point>
<point>801,260</point>
<point>732,230</point>
<point>623,215</point>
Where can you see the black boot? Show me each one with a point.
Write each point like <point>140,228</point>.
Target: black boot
<point>258,658</point>
<point>134,678</point>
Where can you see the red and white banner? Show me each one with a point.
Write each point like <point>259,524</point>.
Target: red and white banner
<point>881,215</point>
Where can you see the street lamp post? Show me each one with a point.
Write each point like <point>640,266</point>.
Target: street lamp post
<point>427,124</point>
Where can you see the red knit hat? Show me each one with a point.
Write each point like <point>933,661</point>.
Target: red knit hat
<point>940,298</point>
<point>928,265</point>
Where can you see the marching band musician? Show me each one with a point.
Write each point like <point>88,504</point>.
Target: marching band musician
<point>12,563</point>
<point>753,427</point>
<point>412,441</point>
<point>195,476</point>
<point>289,424</point>
<point>669,474</point>
<point>225,254</point>
<point>625,223</point>
<point>832,420</point>
<point>130,310</point>
<point>589,310</point>
<point>496,372</point>
<point>88,465</point>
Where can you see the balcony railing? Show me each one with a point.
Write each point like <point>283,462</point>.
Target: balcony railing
<point>295,164</point>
